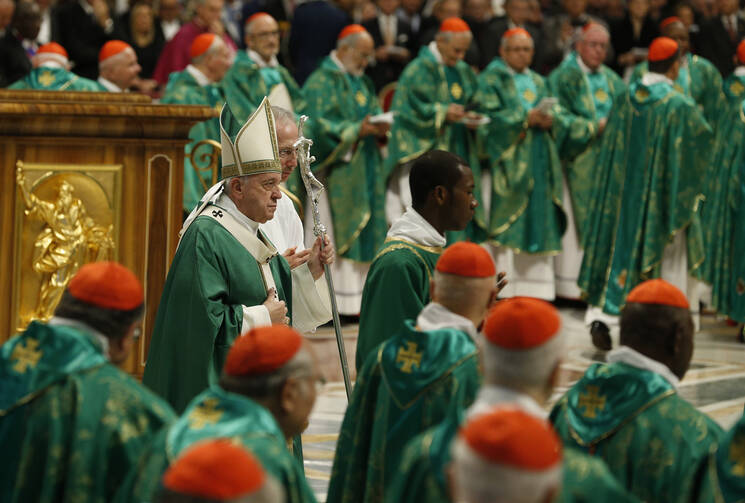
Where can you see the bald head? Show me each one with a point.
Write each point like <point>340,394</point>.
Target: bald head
<point>262,36</point>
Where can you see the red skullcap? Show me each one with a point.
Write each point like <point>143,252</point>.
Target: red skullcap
<point>511,437</point>
<point>112,48</point>
<point>201,44</point>
<point>454,24</point>
<point>521,323</point>
<point>741,52</point>
<point>108,285</point>
<point>466,259</point>
<point>516,31</point>
<point>256,16</point>
<point>351,30</point>
<point>668,21</point>
<point>589,26</point>
<point>52,48</point>
<point>658,291</point>
<point>262,350</point>
<point>215,469</point>
<point>662,48</point>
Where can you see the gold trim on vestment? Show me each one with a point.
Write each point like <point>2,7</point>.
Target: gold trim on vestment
<point>402,246</point>
<point>68,83</point>
<point>341,250</point>
<point>295,200</point>
<point>430,249</point>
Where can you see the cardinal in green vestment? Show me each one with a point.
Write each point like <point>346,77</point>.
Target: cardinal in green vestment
<point>734,84</point>
<point>628,412</point>
<point>256,73</point>
<point>51,72</point>
<point>227,276</point>
<point>435,103</point>
<point>397,286</point>
<point>262,400</point>
<point>656,152</point>
<point>196,85</point>
<point>415,379</point>
<point>721,477</point>
<point>72,425</point>
<point>521,357</point>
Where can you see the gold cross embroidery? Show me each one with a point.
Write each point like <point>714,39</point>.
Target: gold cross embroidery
<point>601,95</point>
<point>736,88</point>
<point>205,414</point>
<point>26,356</point>
<point>529,95</point>
<point>46,79</point>
<point>361,98</point>
<point>641,94</point>
<point>456,90</point>
<point>591,402</point>
<point>737,455</point>
<point>408,357</point>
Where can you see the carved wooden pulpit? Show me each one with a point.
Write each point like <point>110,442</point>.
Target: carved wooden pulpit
<point>85,177</point>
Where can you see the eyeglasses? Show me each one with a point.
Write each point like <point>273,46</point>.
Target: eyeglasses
<point>287,152</point>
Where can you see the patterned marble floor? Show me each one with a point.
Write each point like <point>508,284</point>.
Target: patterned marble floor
<point>715,383</point>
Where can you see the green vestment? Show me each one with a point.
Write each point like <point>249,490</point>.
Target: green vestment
<point>423,93</point>
<point>183,89</point>
<point>396,289</point>
<point>656,152</point>
<point>211,278</point>
<point>337,103</point>
<point>245,85</point>
<point>724,231</point>
<point>633,419</point>
<point>55,79</point>
<point>585,98</point>
<point>216,413</point>
<point>71,424</point>
<point>412,382</point>
<point>526,213</point>
<point>734,89</point>
<point>721,476</point>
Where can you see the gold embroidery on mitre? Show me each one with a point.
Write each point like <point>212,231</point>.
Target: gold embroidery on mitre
<point>205,414</point>
<point>529,95</point>
<point>46,78</point>
<point>737,455</point>
<point>601,95</point>
<point>408,356</point>
<point>736,88</point>
<point>641,94</point>
<point>361,98</point>
<point>26,356</point>
<point>591,401</point>
<point>456,91</point>
<point>740,286</point>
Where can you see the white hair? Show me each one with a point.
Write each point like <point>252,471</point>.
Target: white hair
<point>350,40</point>
<point>447,36</point>
<point>594,26</point>
<point>282,116</point>
<point>505,40</point>
<point>113,61</point>
<point>523,369</point>
<point>264,385</point>
<point>215,46</point>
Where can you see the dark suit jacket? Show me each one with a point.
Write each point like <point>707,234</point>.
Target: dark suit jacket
<point>82,37</point>
<point>383,72</point>
<point>147,56</point>
<point>14,63</point>
<point>715,44</point>
<point>622,38</point>
<point>491,39</point>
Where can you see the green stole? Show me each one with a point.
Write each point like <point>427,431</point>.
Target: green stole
<point>56,79</point>
<point>396,289</point>
<point>526,211</point>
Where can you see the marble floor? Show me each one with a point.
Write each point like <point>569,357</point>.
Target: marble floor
<point>715,383</point>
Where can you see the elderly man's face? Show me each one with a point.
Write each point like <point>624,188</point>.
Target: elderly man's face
<point>126,70</point>
<point>219,62</point>
<point>286,138</point>
<point>593,47</point>
<point>263,37</point>
<point>518,52</point>
<point>258,196</point>
<point>356,58</point>
<point>453,47</point>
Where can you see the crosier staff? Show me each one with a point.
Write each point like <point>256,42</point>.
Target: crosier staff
<point>314,188</point>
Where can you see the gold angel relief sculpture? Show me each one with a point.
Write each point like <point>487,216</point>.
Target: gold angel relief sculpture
<point>69,238</point>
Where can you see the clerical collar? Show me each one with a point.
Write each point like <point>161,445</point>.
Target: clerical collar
<point>413,227</point>
<point>228,205</point>
<point>256,58</point>
<point>583,66</point>
<point>110,86</point>
<point>634,358</point>
<point>435,316</point>
<point>651,78</point>
<point>98,338</point>
<point>337,61</point>
<point>52,64</point>
<point>492,395</point>
<point>198,75</point>
<point>740,71</point>
<point>435,52</point>
<point>515,72</point>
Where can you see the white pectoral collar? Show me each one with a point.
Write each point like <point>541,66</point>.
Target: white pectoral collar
<point>256,58</point>
<point>411,226</point>
<point>97,336</point>
<point>435,52</point>
<point>110,86</point>
<point>651,78</point>
<point>228,205</point>
<point>582,65</point>
<point>630,356</point>
<point>337,61</point>
<point>740,71</point>
<point>198,75</point>
<point>490,396</point>
<point>435,316</point>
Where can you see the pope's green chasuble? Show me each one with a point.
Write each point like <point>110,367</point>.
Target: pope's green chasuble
<point>337,103</point>
<point>526,213</point>
<point>211,278</point>
<point>184,89</point>
<point>55,79</point>
<point>724,231</point>
<point>585,98</point>
<point>721,476</point>
<point>245,85</point>
<point>633,419</point>
<point>656,151</point>
<point>216,413</point>
<point>71,424</point>
<point>424,91</point>
<point>396,289</point>
<point>413,381</point>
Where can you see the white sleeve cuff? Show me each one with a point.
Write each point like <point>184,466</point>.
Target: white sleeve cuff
<point>311,305</point>
<point>255,316</point>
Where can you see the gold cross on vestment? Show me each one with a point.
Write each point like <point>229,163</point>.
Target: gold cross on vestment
<point>205,414</point>
<point>408,357</point>
<point>737,455</point>
<point>591,402</point>
<point>456,91</point>
<point>26,356</point>
<point>46,79</point>
<point>361,98</point>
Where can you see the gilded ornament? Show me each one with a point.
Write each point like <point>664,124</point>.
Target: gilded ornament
<point>408,357</point>
<point>361,98</point>
<point>600,95</point>
<point>641,94</point>
<point>736,88</point>
<point>456,91</point>
<point>46,78</point>
<point>529,95</point>
<point>26,356</point>
<point>591,401</point>
<point>205,413</point>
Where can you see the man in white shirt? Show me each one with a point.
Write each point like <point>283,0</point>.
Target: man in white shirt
<point>117,66</point>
